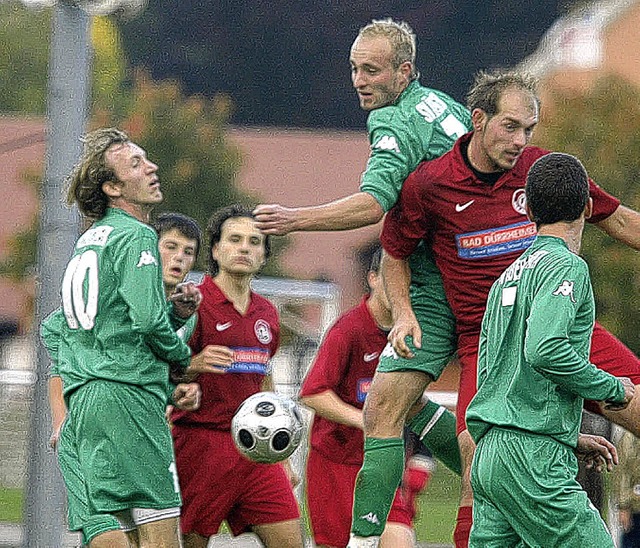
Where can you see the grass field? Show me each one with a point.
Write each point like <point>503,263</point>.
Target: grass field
<point>11,501</point>
<point>437,507</point>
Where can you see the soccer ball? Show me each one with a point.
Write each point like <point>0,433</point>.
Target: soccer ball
<point>267,427</point>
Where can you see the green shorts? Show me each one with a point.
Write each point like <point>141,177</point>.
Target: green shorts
<point>525,493</point>
<point>438,327</point>
<point>116,453</point>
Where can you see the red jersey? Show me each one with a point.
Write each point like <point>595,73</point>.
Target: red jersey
<point>476,229</point>
<point>254,339</point>
<point>345,363</point>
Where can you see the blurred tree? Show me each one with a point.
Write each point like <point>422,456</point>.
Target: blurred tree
<point>184,135</point>
<point>24,53</point>
<point>24,57</point>
<point>602,128</point>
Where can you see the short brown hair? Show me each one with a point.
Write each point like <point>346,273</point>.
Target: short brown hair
<point>488,87</point>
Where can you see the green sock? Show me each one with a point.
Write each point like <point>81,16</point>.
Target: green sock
<point>436,427</point>
<point>376,484</point>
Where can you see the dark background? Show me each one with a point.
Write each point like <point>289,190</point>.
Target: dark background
<point>286,63</point>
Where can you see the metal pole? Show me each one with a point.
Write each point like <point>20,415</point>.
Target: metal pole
<point>45,520</point>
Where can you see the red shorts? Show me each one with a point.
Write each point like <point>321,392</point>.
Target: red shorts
<point>607,353</point>
<point>218,483</point>
<point>330,487</point>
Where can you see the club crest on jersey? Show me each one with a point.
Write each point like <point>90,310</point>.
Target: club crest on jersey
<point>566,290</point>
<point>519,201</point>
<point>146,258</point>
<point>263,331</point>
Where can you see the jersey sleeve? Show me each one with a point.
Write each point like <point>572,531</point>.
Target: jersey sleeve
<point>604,204</point>
<point>396,150</point>
<point>562,290</point>
<point>329,365</point>
<point>407,222</point>
<point>137,263</point>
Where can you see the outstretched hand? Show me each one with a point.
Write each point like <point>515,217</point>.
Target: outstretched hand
<point>274,219</point>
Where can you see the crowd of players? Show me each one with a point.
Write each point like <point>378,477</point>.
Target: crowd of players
<point>466,196</point>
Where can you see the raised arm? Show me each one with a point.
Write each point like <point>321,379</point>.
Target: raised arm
<point>355,211</point>
<point>624,226</point>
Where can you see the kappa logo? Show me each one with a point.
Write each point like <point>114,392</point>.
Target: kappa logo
<point>387,142</point>
<point>371,357</point>
<point>146,258</point>
<point>371,518</point>
<point>566,290</point>
<point>462,207</point>
<point>223,326</point>
<point>389,352</point>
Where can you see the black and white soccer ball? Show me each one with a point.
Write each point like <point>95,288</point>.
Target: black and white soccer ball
<point>267,427</point>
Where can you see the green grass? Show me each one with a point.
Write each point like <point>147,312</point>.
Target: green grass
<point>11,501</point>
<point>437,508</point>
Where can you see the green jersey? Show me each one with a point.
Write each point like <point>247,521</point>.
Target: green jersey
<point>421,125</point>
<point>533,362</point>
<point>113,323</point>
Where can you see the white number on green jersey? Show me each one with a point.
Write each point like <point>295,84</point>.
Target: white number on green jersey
<point>80,290</point>
<point>431,107</point>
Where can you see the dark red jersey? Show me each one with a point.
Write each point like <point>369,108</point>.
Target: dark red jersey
<point>254,338</point>
<point>345,363</point>
<point>476,229</point>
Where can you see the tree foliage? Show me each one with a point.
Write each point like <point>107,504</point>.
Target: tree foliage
<point>184,135</point>
<point>602,128</point>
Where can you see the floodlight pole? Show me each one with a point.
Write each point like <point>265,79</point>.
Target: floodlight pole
<point>67,110</point>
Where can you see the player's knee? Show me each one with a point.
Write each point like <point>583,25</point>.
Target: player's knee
<point>384,414</point>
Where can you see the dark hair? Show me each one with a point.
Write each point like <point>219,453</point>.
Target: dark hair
<point>376,257</point>
<point>214,230</point>
<point>557,189</point>
<point>91,172</point>
<point>488,88</point>
<point>187,226</point>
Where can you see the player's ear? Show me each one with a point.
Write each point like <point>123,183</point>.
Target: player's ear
<point>112,189</point>
<point>406,69</point>
<point>478,119</point>
<point>588,209</point>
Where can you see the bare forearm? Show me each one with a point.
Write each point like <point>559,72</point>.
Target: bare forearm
<point>354,211</point>
<point>396,276</point>
<point>56,402</point>
<point>328,405</point>
<point>624,226</point>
